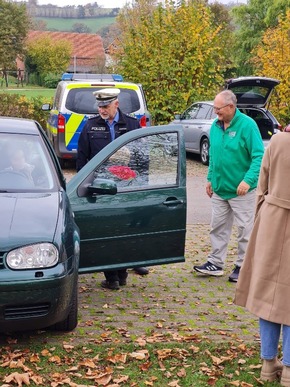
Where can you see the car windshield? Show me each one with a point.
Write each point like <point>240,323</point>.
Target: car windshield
<point>24,164</point>
<point>82,100</point>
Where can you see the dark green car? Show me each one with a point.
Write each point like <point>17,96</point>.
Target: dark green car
<point>125,208</point>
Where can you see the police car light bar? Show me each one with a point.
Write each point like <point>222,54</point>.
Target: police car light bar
<point>100,77</point>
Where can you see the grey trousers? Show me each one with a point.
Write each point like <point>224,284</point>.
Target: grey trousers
<point>240,210</point>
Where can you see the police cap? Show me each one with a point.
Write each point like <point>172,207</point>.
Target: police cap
<point>106,96</point>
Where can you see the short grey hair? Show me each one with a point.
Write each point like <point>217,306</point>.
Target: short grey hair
<point>229,97</point>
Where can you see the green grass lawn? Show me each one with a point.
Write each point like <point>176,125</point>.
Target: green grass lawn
<point>61,24</point>
<point>29,91</point>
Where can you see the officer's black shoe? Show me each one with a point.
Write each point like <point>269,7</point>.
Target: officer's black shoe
<point>114,285</point>
<point>141,270</point>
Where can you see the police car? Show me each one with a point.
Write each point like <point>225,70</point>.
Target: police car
<point>74,102</point>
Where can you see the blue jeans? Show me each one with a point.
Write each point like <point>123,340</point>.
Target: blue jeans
<point>270,335</point>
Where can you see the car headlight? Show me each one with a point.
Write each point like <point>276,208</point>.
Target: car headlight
<point>40,255</point>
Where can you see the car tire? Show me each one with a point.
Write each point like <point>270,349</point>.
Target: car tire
<point>71,322</point>
<point>204,151</point>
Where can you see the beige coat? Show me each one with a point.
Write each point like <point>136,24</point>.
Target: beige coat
<point>264,281</point>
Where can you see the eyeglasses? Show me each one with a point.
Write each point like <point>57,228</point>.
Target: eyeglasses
<point>217,109</point>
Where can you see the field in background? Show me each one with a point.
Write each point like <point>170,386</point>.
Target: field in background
<point>61,24</point>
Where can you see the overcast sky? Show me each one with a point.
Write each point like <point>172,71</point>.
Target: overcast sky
<point>110,3</point>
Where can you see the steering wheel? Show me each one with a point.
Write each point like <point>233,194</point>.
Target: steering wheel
<point>11,179</point>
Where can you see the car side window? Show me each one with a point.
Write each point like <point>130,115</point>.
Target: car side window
<point>203,111</point>
<point>253,113</point>
<point>190,113</point>
<point>145,163</point>
<point>211,114</point>
<point>56,102</point>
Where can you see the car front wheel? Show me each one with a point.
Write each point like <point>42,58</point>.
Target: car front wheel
<point>71,322</point>
<point>204,151</point>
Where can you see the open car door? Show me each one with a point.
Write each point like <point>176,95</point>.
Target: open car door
<point>129,201</point>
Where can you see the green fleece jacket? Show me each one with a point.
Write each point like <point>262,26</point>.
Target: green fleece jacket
<point>235,155</point>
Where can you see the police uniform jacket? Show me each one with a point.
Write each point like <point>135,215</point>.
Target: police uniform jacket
<point>96,135</point>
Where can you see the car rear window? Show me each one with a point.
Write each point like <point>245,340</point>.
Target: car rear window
<point>256,95</point>
<point>82,101</point>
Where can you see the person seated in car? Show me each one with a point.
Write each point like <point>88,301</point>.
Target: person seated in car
<point>19,164</point>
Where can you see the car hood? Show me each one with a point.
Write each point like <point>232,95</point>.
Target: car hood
<point>252,91</point>
<point>27,218</point>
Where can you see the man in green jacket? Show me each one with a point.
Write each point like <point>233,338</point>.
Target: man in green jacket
<point>236,151</point>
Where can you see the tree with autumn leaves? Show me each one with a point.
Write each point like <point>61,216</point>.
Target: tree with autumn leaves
<point>14,24</point>
<point>175,52</point>
<point>261,47</point>
<point>182,52</point>
<point>272,59</point>
<point>251,21</point>
<point>45,56</point>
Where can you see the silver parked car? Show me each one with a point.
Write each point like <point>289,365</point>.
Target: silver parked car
<point>253,95</point>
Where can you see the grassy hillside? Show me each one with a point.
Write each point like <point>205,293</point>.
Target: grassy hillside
<point>59,24</point>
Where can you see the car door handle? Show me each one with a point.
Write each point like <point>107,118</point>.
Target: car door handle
<point>170,202</point>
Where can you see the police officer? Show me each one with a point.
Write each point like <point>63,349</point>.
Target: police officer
<point>99,131</point>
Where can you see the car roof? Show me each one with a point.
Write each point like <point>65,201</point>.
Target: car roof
<point>206,102</point>
<point>18,125</point>
<point>95,82</point>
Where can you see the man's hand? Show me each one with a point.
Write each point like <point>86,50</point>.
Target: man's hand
<point>209,190</point>
<point>243,188</point>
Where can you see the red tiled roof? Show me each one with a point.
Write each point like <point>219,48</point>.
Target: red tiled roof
<point>89,46</point>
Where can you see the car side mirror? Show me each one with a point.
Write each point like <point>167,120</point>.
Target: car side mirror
<point>46,107</point>
<point>102,187</point>
<point>177,116</point>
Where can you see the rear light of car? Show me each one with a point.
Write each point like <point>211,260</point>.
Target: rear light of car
<point>60,123</point>
<point>142,121</point>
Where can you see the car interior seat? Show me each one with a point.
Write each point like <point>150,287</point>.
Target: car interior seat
<point>266,128</point>
<point>38,173</point>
